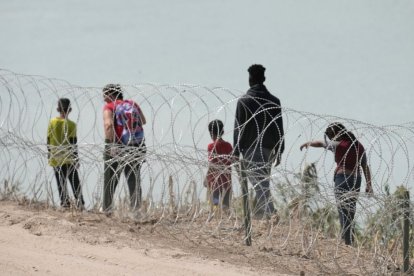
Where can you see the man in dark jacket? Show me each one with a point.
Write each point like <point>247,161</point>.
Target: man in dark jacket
<point>259,137</point>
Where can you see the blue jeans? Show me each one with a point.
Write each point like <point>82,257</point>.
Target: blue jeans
<point>346,194</point>
<point>258,162</point>
<point>220,197</point>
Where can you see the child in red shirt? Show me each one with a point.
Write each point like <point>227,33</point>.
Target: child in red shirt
<point>218,179</point>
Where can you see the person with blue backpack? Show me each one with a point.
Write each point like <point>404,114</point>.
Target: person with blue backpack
<point>124,146</point>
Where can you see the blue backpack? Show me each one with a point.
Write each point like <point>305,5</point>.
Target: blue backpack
<point>128,115</point>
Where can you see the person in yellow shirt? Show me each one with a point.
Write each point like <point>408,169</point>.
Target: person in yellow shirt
<point>63,154</point>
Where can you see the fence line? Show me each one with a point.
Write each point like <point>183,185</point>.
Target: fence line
<point>176,164</point>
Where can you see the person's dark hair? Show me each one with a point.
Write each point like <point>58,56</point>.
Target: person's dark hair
<point>64,105</point>
<point>339,130</point>
<point>216,128</point>
<point>257,73</point>
<point>113,90</point>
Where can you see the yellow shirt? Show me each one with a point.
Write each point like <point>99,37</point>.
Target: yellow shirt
<point>59,133</point>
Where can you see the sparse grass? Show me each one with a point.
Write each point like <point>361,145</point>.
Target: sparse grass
<point>9,190</point>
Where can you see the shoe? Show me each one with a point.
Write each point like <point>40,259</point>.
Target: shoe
<point>107,213</point>
<point>80,205</point>
<point>261,215</point>
<point>226,211</point>
<point>274,218</point>
<point>64,206</point>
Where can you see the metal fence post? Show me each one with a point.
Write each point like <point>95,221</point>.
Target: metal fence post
<point>406,231</point>
<point>246,205</point>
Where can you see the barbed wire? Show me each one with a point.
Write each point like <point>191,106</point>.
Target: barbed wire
<point>176,164</point>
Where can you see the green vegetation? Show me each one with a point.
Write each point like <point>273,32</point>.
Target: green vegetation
<point>304,202</point>
<point>385,227</point>
<point>381,231</point>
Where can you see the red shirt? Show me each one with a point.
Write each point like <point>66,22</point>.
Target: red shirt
<point>349,155</point>
<point>220,159</point>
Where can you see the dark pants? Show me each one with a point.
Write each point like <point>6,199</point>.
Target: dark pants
<point>129,161</point>
<point>346,193</point>
<point>68,171</point>
<point>257,163</point>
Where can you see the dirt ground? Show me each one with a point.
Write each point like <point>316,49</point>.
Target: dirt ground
<point>35,240</point>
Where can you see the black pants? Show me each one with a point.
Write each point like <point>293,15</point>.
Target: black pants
<point>129,162</point>
<point>68,171</point>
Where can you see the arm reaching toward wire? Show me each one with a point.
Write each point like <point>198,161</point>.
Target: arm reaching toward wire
<point>315,144</point>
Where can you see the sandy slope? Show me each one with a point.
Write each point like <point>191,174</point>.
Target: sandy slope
<point>47,242</point>
<point>24,253</point>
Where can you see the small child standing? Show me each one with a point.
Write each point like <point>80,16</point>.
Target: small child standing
<point>63,154</point>
<point>218,178</point>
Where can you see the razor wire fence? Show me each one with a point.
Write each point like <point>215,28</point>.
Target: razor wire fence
<point>176,164</point>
